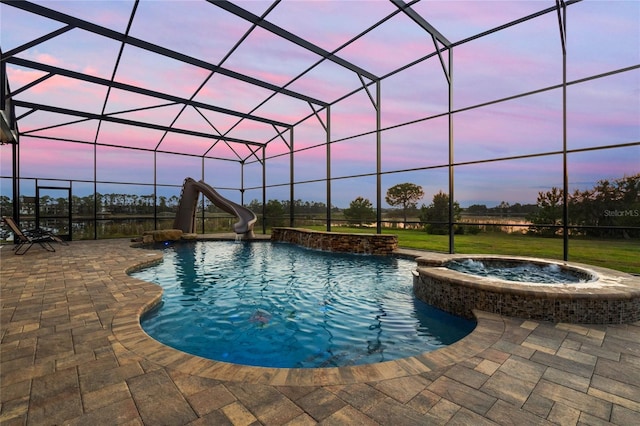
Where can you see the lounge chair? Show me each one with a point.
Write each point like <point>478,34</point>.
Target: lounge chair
<point>25,239</point>
<point>41,233</point>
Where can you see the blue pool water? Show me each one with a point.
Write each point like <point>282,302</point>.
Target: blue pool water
<point>280,305</point>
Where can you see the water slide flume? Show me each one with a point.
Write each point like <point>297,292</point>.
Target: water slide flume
<point>186,215</point>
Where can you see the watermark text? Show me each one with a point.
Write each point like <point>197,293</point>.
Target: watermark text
<point>622,213</point>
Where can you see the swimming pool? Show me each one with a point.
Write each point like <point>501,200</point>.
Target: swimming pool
<point>279,305</point>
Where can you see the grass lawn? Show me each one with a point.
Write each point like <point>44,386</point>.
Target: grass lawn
<point>622,255</point>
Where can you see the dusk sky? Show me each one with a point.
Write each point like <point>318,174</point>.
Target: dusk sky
<point>603,37</point>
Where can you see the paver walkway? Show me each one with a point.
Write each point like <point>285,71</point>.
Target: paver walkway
<point>72,352</point>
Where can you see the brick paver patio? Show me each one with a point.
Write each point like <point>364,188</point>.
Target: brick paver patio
<point>73,352</point>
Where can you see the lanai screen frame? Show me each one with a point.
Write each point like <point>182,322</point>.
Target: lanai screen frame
<point>320,109</point>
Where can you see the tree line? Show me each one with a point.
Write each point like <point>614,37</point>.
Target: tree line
<point>113,203</point>
<point>610,209</point>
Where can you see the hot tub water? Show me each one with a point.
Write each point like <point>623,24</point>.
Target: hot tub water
<point>549,273</point>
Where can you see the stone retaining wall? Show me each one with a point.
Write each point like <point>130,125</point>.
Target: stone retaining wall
<point>161,235</point>
<point>337,241</point>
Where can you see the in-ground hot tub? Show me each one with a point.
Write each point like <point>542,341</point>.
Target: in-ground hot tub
<point>584,294</point>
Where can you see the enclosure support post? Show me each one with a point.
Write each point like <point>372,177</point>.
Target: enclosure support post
<point>328,130</point>
<point>242,183</point>
<point>291,180</point>
<point>10,127</point>
<point>95,191</point>
<point>155,190</point>
<point>15,154</point>
<point>451,152</point>
<point>200,195</point>
<point>264,192</point>
<point>378,160</point>
<point>562,23</point>
<point>376,105</point>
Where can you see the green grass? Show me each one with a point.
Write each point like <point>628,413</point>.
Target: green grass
<point>622,255</point>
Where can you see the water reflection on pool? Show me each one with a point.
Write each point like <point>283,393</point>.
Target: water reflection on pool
<point>280,305</point>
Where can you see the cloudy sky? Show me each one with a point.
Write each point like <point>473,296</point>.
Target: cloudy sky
<point>602,37</point>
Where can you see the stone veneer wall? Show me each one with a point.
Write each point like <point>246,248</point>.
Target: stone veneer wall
<point>461,298</point>
<point>337,241</point>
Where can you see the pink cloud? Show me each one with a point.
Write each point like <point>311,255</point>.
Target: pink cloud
<point>118,165</point>
<point>119,100</point>
<point>611,164</point>
<point>91,70</point>
<point>172,169</point>
<point>458,20</point>
<point>76,163</point>
<point>122,135</point>
<point>179,143</point>
<point>268,57</point>
<point>328,24</point>
<point>352,116</point>
<point>284,108</point>
<point>309,164</point>
<point>276,148</point>
<point>221,122</point>
<point>168,76</point>
<point>48,59</point>
<point>189,119</point>
<point>162,116</point>
<point>354,157</point>
<point>232,94</point>
<point>404,100</point>
<point>18,77</point>
<point>76,50</point>
<point>418,145</point>
<point>594,52</point>
<point>309,133</point>
<point>487,72</point>
<point>326,82</point>
<point>67,93</point>
<point>374,53</point>
<point>253,131</point>
<point>84,131</point>
<point>211,41</point>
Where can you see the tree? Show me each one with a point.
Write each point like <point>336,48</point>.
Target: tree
<point>477,209</point>
<point>549,213</point>
<point>436,214</point>
<point>274,212</point>
<point>504,208</point>
<point>608,205</point>
<point>405,195</point>
<point>360,210</point>
<point>610,209</point>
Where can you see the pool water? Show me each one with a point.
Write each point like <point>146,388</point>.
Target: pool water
<point>280,305</point>
<point>518,271</point>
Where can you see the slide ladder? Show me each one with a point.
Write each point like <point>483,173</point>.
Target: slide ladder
<point>186,215</point>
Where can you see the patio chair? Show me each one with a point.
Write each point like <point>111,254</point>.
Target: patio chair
<point>41,233</point>
<point>24,240</point>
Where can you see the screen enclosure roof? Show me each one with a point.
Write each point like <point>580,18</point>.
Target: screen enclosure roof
<point>216,78</point>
